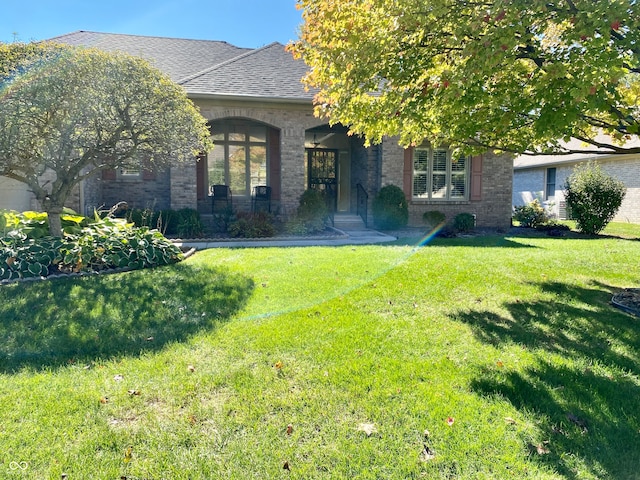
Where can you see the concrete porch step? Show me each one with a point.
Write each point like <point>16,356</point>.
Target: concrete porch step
<point>348,221</point>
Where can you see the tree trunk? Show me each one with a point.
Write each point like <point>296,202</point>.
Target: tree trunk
<point>55,222</point>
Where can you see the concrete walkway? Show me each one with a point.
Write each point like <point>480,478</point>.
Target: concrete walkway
<point>355,237</point>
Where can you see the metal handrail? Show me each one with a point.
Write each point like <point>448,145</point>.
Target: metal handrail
<point>362,203</point>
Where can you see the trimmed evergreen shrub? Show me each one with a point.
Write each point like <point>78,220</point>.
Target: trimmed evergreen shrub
<point>390,208</point>
<point>593,196</point>
<point>464,222</point>
<point>312,214</point>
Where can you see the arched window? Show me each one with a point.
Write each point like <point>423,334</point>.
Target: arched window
<point>239,155</point>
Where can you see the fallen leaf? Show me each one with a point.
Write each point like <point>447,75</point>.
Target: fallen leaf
<point>128,454</point>
<point>450,421</point>
<point>191,368</point>
<point>499,364</point>
<point>510,420</point>
<point>289,429</point>
<point>540,449</point>
<point>104,400</point>
<point>368,428</point>
<point>578,421</point>
<point>286,466</point>
<point>427,454</point>
<point>133,392</point>
<point>278,365</point>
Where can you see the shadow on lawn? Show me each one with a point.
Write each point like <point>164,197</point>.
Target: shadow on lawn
<point>55,322</point>
<point>589,406</point>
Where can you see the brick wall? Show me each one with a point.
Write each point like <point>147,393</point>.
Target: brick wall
<point>492,210</point>
<point>139,192</point>
<point>292,121</point>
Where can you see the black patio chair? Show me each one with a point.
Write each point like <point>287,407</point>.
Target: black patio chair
<point>261,199</point>
<point>221,198</point>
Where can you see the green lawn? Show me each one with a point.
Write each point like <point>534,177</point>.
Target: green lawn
<point>501,355</point>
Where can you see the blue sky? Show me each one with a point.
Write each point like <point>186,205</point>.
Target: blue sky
<point>245,23</point>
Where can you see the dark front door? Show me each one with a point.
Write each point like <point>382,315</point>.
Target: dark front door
<point>322,164</point>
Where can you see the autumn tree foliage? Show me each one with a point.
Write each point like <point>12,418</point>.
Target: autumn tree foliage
<point>71,113</point>
<point>512,75</point>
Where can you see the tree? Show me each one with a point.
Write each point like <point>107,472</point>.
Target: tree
<point>511,75</point>
<point>71,113</point>
<point>593,197</point>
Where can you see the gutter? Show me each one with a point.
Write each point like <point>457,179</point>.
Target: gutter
<point>254,98</point>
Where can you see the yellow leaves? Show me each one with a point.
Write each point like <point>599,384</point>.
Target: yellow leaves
<point>128,454</point>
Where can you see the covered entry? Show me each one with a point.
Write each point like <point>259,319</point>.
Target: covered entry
<point>328,165</point>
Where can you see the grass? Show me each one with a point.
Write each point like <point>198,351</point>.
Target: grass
<point>501,355</point>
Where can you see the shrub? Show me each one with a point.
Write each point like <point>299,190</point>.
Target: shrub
<point>531,215</point>
<point>189,223</point>
<point>464,222</point>
<point>593,196</point>
<point>253,225</point>
<point>433,218</point>
<point>390,209</point>
<point>102,244</point>
<point>312,214</point>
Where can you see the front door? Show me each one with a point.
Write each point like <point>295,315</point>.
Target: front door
<point>322,174</point>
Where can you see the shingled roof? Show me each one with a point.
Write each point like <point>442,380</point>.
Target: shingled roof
<point>210,68</point>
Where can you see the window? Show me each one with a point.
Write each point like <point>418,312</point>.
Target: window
<point>129,173</point>
<point>439,176</point>
<point>239,156</point>
<point>550,187</point>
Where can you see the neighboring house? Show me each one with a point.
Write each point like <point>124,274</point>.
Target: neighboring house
<point>265,133</point>
<point>544,176</point>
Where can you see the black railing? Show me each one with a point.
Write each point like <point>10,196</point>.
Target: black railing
<point>362,201</point>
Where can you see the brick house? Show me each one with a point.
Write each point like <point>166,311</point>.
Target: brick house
<point>543,177</point>
<point>265,133</point>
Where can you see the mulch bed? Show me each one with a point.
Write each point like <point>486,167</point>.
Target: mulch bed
<point>628,300</point>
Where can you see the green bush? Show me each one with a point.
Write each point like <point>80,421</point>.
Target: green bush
<point>101,244</point>
<point>312,214</point>
<point>464,222</point>
<point>36,224</point>
<point>253,225</point>
<point>433,218</point>
<point>593,197</point>
<point>189,223</point>
<point>390,208</point>
<point>531,215</point>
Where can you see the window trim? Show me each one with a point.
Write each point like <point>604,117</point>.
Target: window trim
<point>128,174</point>
<point>449,174</point>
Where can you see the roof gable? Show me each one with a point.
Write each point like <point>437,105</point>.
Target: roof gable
<point>269,72</point>
<point>207,67</point>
